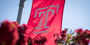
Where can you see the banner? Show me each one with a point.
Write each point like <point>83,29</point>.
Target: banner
<point>46,19</point>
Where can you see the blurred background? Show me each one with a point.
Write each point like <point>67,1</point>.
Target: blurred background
<point>76,13</point>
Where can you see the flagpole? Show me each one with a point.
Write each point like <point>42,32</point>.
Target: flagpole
<point>21,6</point>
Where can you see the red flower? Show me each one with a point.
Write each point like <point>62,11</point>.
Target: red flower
<point>40,40</point>
<point>23,38</point>
<point>82,36</point>
<point>79,31</point>
<point>8,33</point>
<point>63,33</point>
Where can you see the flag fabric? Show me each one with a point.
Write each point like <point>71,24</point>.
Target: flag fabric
<point>46,19</point>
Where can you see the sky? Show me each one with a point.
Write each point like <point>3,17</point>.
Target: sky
<point>76,13</point>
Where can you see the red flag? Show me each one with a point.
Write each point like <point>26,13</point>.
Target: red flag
<point>46,19</point>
